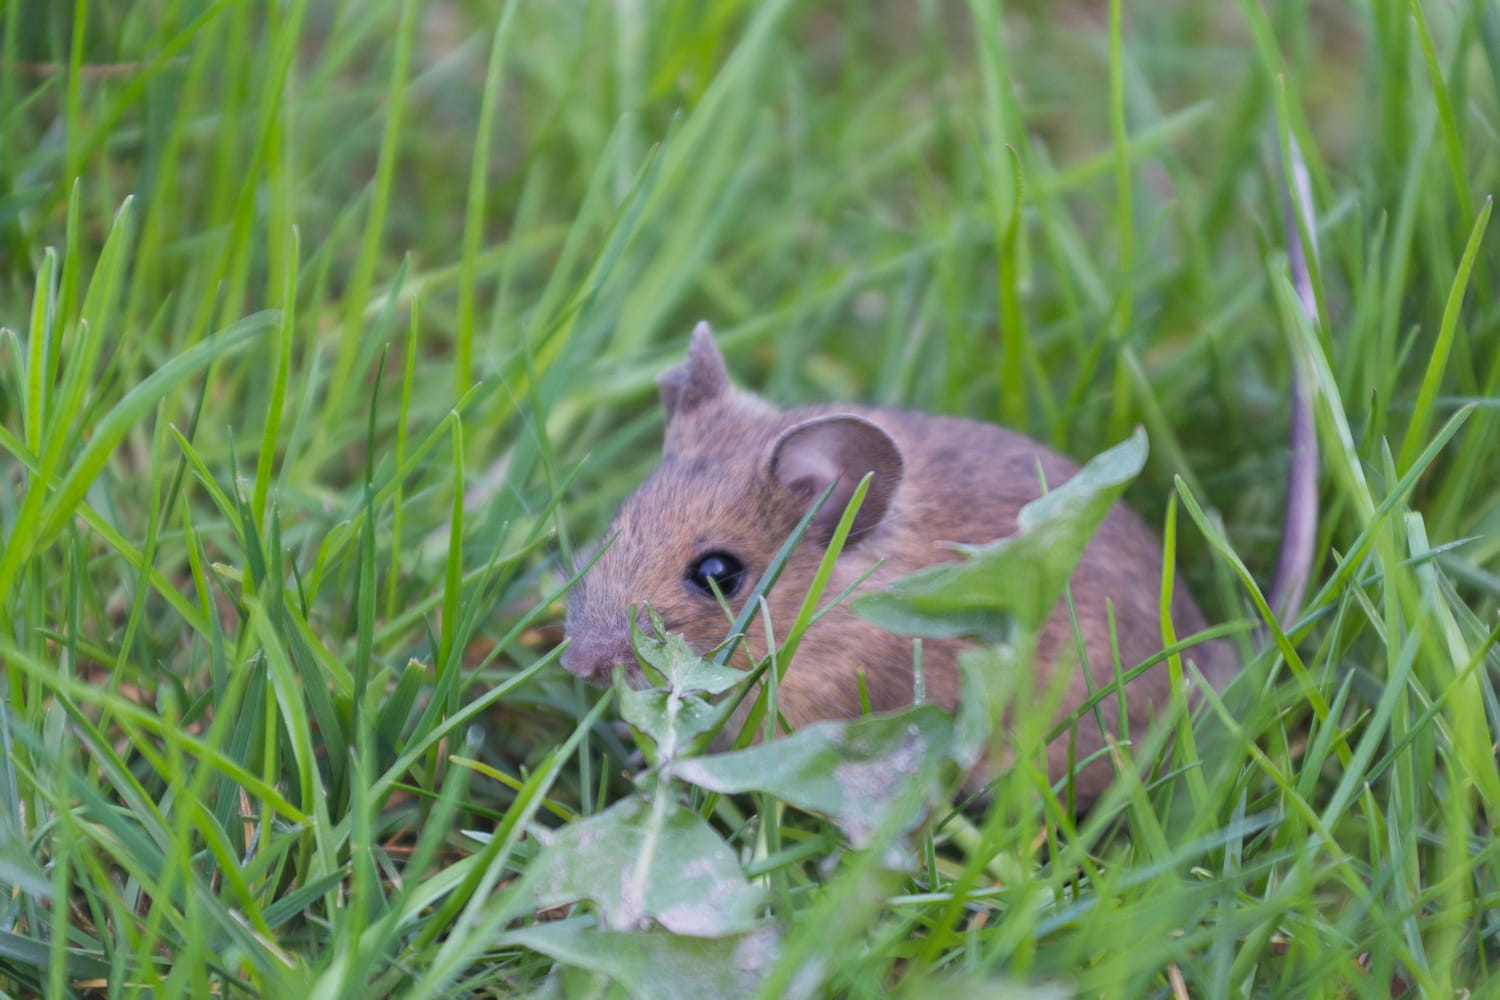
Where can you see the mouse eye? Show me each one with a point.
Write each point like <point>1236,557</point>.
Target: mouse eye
<point>726,572</point>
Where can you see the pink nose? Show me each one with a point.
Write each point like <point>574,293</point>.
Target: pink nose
<point>594,657</point>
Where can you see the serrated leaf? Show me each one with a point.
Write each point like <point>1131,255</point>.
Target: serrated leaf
<point>684,669</point>
<point>642,862</point>
<point>1005,589</point>
<point>661,966</point>
<point>863,774</point>
<point>673,715</point>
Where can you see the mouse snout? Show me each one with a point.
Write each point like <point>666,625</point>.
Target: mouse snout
<point>594,656</point>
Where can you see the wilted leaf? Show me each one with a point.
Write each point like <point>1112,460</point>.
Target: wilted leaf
<point>646,861</point>
<point>661,966</point>
<point>862,774</point>
<point>1013,582</point>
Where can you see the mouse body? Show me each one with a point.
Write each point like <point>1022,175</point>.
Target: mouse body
<point>737,475</point>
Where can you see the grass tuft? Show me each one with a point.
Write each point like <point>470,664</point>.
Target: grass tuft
<point>327,342</point>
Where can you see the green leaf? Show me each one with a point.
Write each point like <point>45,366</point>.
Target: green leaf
<point>649,862</point>
<point>661,966</point>
<point>667,719</point>
<point>684,669</point>
<point>1013,582</point>
<point>863,774</point>
<point>673,714</point>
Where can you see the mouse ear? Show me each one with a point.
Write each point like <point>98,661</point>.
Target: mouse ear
<point>841,448</point>
<point>700,379</point>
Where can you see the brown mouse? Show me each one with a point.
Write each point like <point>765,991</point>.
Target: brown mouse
<point>736,476</point>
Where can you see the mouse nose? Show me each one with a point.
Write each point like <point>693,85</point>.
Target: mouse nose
<point>595,656</point>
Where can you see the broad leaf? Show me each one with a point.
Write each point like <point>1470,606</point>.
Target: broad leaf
<point>661,966</point>
<point>862,774</point>
<point>645,862</point>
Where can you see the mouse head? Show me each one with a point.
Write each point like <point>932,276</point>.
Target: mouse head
<point>736,476</point>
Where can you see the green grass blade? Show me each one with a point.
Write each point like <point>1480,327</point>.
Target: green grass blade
<point>1442,346</point>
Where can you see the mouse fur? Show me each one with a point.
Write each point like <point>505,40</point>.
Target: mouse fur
<point>736,476</point>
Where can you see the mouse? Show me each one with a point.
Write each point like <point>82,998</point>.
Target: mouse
<point>737,474</point>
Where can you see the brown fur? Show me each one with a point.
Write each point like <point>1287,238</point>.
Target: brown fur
<point>720,486</point>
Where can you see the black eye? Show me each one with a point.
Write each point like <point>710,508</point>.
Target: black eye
<point>726,572</point>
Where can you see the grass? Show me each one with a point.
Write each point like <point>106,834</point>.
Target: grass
<point>282,286</point>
